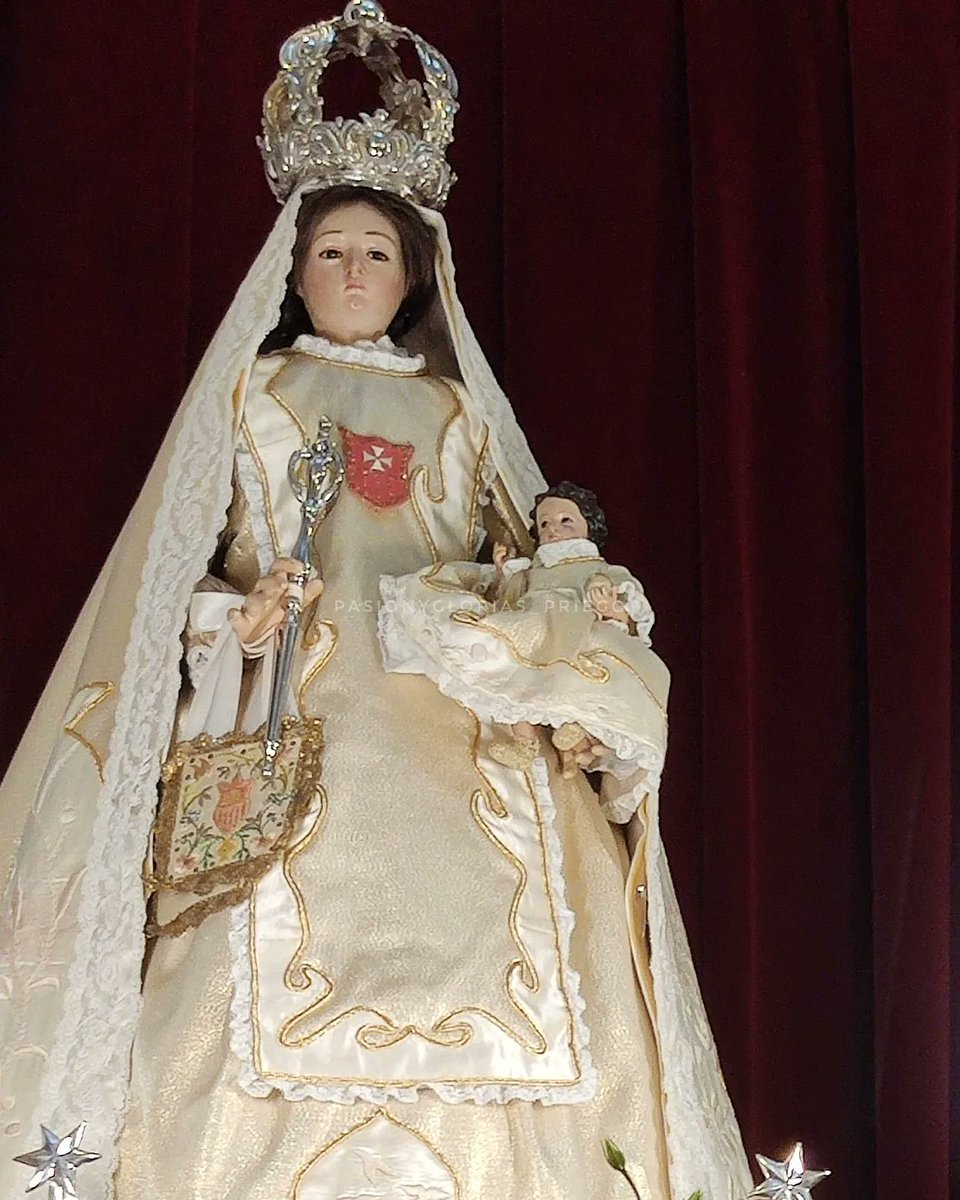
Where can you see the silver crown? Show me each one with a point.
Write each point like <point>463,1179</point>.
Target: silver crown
<point>400,148</point>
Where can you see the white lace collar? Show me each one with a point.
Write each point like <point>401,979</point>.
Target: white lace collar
<point>381,354</point>
<point>566,551</point>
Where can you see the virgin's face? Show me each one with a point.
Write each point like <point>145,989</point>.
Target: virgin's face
<point>558,520</point>
<point>352,281</point>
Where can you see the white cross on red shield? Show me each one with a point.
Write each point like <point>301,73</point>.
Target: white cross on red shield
<point>377,470</point>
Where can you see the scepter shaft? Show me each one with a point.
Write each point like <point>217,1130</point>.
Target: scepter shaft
<point>315,473</point>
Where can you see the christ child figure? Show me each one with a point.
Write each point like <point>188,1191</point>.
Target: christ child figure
<point>569,529</point>
<point>558,641</point>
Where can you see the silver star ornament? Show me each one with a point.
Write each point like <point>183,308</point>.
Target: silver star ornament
<point>56,1162</point>
<point>786,1180</point>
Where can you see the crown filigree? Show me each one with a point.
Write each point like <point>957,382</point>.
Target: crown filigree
<point>400,148</point>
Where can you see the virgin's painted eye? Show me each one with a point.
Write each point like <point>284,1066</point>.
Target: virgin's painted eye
<point>331,252</point>
<point>378,256</point>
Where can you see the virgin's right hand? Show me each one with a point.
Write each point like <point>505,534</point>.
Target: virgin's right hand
<point>263,609</point>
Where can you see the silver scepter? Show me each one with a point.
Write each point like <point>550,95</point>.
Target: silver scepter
<point>315,473</point>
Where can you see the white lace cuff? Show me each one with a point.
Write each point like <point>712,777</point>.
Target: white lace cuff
<point>638,608</point>
<point>512,565</point>
<point>215,665</point>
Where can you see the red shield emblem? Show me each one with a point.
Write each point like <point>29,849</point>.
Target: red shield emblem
<point>377,470</point>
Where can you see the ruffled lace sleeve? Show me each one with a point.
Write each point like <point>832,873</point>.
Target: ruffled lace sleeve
<point>634,600</point>
<point>213,655</point>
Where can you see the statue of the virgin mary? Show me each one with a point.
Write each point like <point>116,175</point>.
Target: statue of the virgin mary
<point>455,977</point>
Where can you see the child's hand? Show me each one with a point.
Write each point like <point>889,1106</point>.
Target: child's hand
<point>577,749</point>
<point>603,599</point>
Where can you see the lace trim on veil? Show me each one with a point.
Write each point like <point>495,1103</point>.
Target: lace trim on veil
<point>89,1054</point>
<point>706,1151</point>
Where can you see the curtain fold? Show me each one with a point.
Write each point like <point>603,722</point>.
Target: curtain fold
<point>713,250</point>
<point>906,97</point>
<point>783,799</point>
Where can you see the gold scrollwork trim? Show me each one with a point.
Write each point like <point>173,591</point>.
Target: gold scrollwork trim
<point>272,390</point>
<point>474,515</point>
<point>424,471</point>
<point>499,809</point>
<point>584,663</point>
<point>70,728</point>
<point>579,558</point>
<point>601,653</point>
<point>537,1045</point>
<point>288,1035</point>
<point>371,1036</point>
<point>528,972</point>
<point>443,585</point>
<point>311,1163</point>
<point>312,631</point>
<point>449,1031</point>
<point>264,484</point>
<point>313,634</point>
<point>443,1034</point>
<point>523,966</point>
<point>296,977</point>
<point>571,1034</point>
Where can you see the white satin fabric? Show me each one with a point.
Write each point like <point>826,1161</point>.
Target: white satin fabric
<point>83,790</point>
<point>379,1159</point>
<point>539,1053</point>
<point>289,1031</point>
<point>545,659</point>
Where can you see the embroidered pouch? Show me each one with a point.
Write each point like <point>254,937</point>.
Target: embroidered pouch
<point>221,824</point>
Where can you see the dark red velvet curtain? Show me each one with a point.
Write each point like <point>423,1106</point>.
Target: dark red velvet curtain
<point>713,249</point>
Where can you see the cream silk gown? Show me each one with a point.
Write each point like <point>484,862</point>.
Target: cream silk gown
<point>433,996</point>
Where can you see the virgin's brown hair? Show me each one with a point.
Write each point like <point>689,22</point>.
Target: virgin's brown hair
<point>417,249</point>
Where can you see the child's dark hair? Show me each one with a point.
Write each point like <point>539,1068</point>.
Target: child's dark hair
<point>585,500</point>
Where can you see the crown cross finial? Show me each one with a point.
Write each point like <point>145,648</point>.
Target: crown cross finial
<point>363,10</point>
<point>399,148</point>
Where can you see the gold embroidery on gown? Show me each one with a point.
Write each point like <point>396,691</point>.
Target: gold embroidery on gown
<point>416,952</point>
<point>85,702</point>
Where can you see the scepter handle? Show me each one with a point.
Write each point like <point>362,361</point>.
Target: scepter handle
<point>316,474</point>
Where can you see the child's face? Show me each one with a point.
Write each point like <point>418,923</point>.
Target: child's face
<point>558,520</point>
